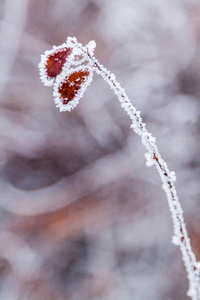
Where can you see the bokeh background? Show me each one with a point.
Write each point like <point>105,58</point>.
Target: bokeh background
<point>81,216</point>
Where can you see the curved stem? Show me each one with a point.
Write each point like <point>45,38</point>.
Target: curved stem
<point>153,156</point>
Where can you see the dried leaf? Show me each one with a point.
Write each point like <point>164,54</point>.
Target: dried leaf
<point>70,89</point>
<point>56,62</point>
<point>53,62</point>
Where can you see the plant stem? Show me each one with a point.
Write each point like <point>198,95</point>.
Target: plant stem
<point>153,156</point>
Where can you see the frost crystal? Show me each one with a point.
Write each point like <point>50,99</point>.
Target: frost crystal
<point>175,240</point>
<point>91,47</point>
<point>52,63</point>
<point>149,160</point>
<point>191,292</point>
<point>173,176</point>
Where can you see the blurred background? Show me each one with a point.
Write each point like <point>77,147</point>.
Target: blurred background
<point>81,216</point>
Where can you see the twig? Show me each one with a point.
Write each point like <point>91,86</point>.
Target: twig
<point>180,235</point>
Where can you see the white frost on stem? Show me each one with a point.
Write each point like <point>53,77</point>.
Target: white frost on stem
<point>180,235</point>
<point>153,157</point>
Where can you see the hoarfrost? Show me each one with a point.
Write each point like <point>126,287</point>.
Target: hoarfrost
<point>173,176</point>
<point>91,47</point>
<point>152,156</point>
<point>149,160</point>
<point>191,293</point>
<point>175,240</point>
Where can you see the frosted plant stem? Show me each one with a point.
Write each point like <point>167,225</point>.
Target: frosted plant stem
<point>180,235</point>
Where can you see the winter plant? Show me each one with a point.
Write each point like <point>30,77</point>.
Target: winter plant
<point>69,69</point>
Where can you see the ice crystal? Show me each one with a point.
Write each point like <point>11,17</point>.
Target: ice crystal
<point>173,176</point>
<point>175,240</point>
<point>149,160</point>
<point>91,47</point>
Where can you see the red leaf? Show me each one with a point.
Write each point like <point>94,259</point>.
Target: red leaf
<point>56,61</point>
<point>71,85</point>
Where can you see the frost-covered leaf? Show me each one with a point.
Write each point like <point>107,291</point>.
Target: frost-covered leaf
<point>69,88</point>
<point>52,63</point>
